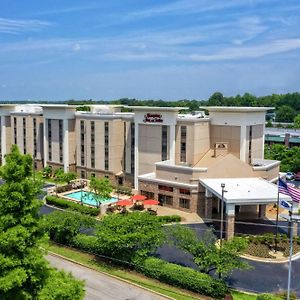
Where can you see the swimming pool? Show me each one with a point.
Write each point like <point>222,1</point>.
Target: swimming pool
<point>89,198</point>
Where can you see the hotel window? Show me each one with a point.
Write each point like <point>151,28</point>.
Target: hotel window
<point>82,148</point>
<point>184,203</point>
<point>183,143</point>
<point>250,145</point>
<point>184,191</point>
<point>34,138</point>
<point>82,174</point>
<point>24,135</point>
<point>149,195</point>
<point>106,146</point>
<point>15,130</point>
<point>165,199</point>
<point>164,142</point>
<point>92,144</point>
<point>49,140</point>
<point>132,157</point>
<point>165,188</point>
<point>60,125</point>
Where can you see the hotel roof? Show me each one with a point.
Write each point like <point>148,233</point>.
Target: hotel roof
<point>156,108</point>
<point>236,109</point>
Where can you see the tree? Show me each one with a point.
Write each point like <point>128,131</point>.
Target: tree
<point>24,272</point>
<point>130,236</point>
<point>60,285</point>
<point>285,114</point>
<point>63,226</point>
<point>101,188</point>
<point>47,171</point>
<point>67,177</point>
<point>206,255</point>
<point>216,99</point>
<point>297,121</point>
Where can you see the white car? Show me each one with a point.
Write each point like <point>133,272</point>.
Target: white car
<point>289,176</point>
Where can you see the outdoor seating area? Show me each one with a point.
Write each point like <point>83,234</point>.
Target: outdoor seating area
<point>134,203</point>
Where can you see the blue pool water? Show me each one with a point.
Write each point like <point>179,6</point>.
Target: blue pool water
<point>88,198</point>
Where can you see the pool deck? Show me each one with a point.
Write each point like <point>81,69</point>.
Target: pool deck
<point>161,210</point>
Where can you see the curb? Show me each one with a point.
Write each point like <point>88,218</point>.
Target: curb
<point>110,275</point>
<point>271,260</point>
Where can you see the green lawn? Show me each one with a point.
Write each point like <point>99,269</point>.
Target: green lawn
<point>132,276</point>
<point>39,175</point>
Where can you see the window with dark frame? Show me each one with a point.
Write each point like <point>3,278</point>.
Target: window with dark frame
<point>60,130</point>
<point>250,145</point>
<point>82,142</point>
<point>92,144</point>
<point>164,142</point>
<point>49,140</point>
<point>132,156</point>
<point>184,203</point>
<point>165,188</point>
<point>165,199</point>
<point>106,146</point>
<point>24,135</point>
<point>184,191</point>
<point>183,143</point>
<point>15,130</point>
<point>34,138</point>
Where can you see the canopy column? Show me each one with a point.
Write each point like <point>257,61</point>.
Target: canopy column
<point>230,219</point>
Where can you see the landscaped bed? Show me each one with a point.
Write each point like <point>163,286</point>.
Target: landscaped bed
<point>264,246</point>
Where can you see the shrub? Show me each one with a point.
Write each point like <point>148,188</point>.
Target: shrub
<point>267,297</point>
<point>62,203</point>
<point>63,226</point>
<point>283,295</point>
<point>183,277</point>
<point>85,242</point>
<point>169,219</point>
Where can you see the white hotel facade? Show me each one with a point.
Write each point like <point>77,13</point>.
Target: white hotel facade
<point>179,159</point>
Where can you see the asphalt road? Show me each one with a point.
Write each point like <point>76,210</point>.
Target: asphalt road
<point>262,278</point>
<point>100,286</point>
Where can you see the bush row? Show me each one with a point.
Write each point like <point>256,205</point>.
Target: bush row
<point>163,271</point>
<point>66,204</point>
<point>183,277</point>
<point>169,219</point>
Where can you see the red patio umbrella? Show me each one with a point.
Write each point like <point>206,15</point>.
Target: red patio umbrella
<point>138,197</point>
<point>151,202</point>
<point>124,202</point>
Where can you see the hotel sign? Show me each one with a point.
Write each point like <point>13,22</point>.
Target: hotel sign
<point>152,118</point>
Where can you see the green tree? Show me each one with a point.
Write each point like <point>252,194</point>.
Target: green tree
<point>129,236</point>
<point>102,189</point>
<point>63,226</point>
<point>47,171</point>
<point>297,121</point>
<point>206,255</point>
<point>285,114</point>
<point>216,99</point>
<point>60,285</point>
<point>24,272</point>
<point>67,177</point>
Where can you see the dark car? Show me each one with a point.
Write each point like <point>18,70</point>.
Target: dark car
<point>297,176</point>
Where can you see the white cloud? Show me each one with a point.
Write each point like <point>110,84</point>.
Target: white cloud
<point>14,26</point>
<point>76,47</point>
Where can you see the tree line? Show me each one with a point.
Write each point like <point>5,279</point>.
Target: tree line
<point>287,106</point>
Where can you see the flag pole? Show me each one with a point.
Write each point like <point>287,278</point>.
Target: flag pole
<point>291,252</point>
<point>277,215</point>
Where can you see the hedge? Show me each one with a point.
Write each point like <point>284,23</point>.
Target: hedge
<point>66,204</point>
<point>169,219</point>
<point>268,297</point>
<point>183,277</point>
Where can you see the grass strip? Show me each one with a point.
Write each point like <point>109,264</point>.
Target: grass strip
<point>97,264</point>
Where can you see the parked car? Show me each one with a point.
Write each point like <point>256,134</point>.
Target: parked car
<point>289,176</point>
<point>297,176</point>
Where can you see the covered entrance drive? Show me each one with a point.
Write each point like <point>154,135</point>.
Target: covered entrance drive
<point>240,196</point>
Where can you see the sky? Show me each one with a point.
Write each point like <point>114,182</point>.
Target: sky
<point>147,49</point>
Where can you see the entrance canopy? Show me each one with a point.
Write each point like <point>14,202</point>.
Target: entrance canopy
<point>244,191</point>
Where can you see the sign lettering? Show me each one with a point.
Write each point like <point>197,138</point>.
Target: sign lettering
<point>153,118</point>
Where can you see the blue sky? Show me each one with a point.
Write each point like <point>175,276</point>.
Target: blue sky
<point>184,49</point>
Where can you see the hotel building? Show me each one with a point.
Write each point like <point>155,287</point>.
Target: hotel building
<point>180,159</point>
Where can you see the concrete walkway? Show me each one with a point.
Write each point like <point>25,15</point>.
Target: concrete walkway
<point>100,286</point>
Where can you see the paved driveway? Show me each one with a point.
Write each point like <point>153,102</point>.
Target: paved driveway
<point>100,286</point>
